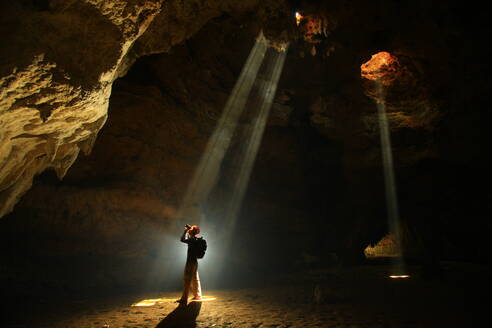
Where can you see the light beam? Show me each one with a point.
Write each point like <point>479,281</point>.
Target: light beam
<point>389,179</point>
<point>205,176</point>
<point>267,92</point>
<point>260,104</point>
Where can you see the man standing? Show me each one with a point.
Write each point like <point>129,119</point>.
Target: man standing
<point>191,278</point>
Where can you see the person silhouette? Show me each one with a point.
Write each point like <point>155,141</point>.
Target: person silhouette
<point>191,280</point>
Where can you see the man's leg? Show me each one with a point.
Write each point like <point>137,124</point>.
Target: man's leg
<point>187,279</point>
<point>196,288</point>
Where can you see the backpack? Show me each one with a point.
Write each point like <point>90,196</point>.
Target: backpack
<point>200,246</point>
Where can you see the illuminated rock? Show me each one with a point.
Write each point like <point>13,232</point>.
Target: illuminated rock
<point>56,81</point>
<point>381,67</point>
<point>386,247</point>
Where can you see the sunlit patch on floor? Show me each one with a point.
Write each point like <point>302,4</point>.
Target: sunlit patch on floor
<point>204,299</point>
<point>403,276</point>
<point>154,301</point>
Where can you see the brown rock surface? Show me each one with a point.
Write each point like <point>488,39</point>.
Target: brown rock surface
<point>57,72</point>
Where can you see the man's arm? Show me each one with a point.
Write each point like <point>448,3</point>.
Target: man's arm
<point>183,236</point>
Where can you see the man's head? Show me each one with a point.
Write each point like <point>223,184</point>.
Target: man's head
<point>194,230</point>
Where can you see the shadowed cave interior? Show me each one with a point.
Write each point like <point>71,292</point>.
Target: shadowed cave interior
<point>100,231</point>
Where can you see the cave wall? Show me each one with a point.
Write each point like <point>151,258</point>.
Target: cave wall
<point>57,74</point>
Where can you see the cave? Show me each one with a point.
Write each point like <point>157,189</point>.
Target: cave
<point>122,121</point>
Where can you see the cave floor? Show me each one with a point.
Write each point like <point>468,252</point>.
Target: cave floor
<point>356,297</point>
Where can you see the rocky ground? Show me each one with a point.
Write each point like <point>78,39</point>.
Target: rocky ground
<point>356,297</point>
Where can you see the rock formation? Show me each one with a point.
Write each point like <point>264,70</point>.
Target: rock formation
<point>57,74</point>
